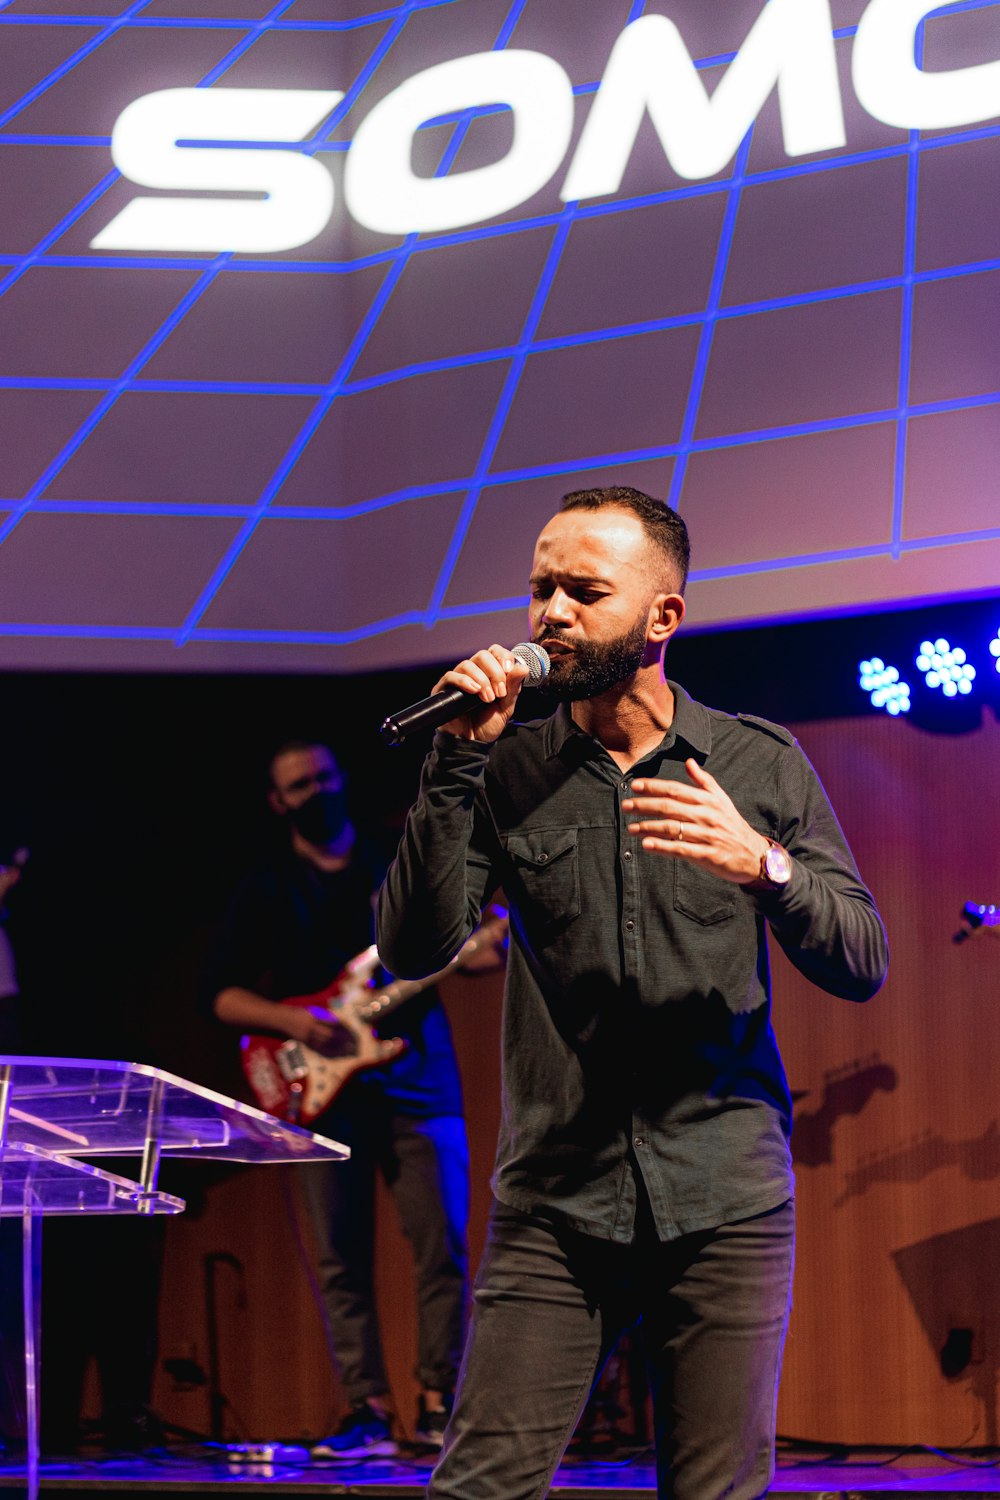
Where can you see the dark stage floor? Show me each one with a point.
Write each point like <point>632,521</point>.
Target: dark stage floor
<point>202,1472</point>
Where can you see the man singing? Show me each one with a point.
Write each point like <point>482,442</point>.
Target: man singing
<point>644,843</point>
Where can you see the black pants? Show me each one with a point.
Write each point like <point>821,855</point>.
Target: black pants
<point>426,1165</point>
<point>549,1306</point>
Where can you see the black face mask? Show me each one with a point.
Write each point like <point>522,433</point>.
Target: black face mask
<point>321,819</point>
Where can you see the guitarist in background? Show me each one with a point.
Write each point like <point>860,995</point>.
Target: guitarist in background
<point>292,926</point>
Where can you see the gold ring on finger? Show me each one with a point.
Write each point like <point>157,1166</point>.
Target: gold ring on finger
<point>680,832</point>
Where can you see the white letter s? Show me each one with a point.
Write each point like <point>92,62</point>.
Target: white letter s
<point>144,149</point>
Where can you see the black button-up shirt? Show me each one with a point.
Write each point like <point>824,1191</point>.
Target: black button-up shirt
<point>637,1041</point>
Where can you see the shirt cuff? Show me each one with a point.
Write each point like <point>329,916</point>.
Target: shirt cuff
<point>781,900</point>
<point>451,749</point>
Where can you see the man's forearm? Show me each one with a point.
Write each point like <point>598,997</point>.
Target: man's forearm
<point>825,919</point>
<point>428,904</point>
<point>240,1007</point>
<point>834,937</point>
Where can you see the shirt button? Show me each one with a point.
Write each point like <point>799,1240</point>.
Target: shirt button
<point>630,925</point>
<point>627,854</point>
<point>640,1140</point>
<point>625,786</point>
<point>542,858</point>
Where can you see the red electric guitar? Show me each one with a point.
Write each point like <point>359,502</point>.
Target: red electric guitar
<point>295,1082</point>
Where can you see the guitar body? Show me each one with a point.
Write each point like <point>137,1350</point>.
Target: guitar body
<point>297,1083</point>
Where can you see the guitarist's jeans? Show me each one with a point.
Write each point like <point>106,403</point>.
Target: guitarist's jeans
<point>426,1165</point>
<point>548,1307</point>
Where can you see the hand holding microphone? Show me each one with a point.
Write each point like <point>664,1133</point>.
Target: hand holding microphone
<point>492,679</point>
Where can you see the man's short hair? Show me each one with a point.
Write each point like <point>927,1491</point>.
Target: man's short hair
<point>664,527</point>
<point>294,747</point>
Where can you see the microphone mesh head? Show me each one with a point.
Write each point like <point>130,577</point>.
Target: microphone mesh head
<point>535,659</point>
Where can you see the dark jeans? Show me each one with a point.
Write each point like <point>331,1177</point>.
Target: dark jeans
<point>548,1307</point>
<point>426,1165</point>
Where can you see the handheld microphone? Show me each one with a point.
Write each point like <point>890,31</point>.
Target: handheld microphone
<point>440,707</point>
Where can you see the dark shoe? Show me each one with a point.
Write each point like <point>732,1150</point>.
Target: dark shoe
<point>429,1431</point>
<point>362,1433</point>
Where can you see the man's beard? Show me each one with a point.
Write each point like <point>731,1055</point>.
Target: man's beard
<point>595,668</point>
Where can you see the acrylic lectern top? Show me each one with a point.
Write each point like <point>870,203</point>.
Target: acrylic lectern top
<point>81,1107</point>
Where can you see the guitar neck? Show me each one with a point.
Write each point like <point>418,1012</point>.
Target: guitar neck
<point>388,999</point>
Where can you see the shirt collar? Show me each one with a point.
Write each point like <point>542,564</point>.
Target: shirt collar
<point>691,723</point>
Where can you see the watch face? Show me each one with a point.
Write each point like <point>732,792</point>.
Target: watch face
<point>777,865</point>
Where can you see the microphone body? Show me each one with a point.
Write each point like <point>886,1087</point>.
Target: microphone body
<point>440,707</point>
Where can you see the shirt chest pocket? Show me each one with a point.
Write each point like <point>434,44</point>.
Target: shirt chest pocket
<point>546,863</point>
<point>701,896</point>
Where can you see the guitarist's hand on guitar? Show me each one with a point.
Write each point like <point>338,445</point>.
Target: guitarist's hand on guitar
<point>486,951</point>
<point>312,1029</point>
<point>312,1026</point>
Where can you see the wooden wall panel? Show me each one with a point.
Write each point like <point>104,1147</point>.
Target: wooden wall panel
<point>897,1128</point>
<point>897,1143</point>
<point>272,1360</point>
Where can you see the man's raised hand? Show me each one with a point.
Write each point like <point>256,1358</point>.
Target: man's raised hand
<point>697,823</point>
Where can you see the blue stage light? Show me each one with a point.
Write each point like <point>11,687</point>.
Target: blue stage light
<point>884,687</point>
<point>995,650</point>
<point>946,667</point>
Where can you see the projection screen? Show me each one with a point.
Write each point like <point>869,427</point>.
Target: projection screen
<point>310,311</point>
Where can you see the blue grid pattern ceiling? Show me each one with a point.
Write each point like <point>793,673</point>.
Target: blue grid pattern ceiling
<point>337,456</point>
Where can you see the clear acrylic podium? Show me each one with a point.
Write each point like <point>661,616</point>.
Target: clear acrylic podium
<point>56,1110</point>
